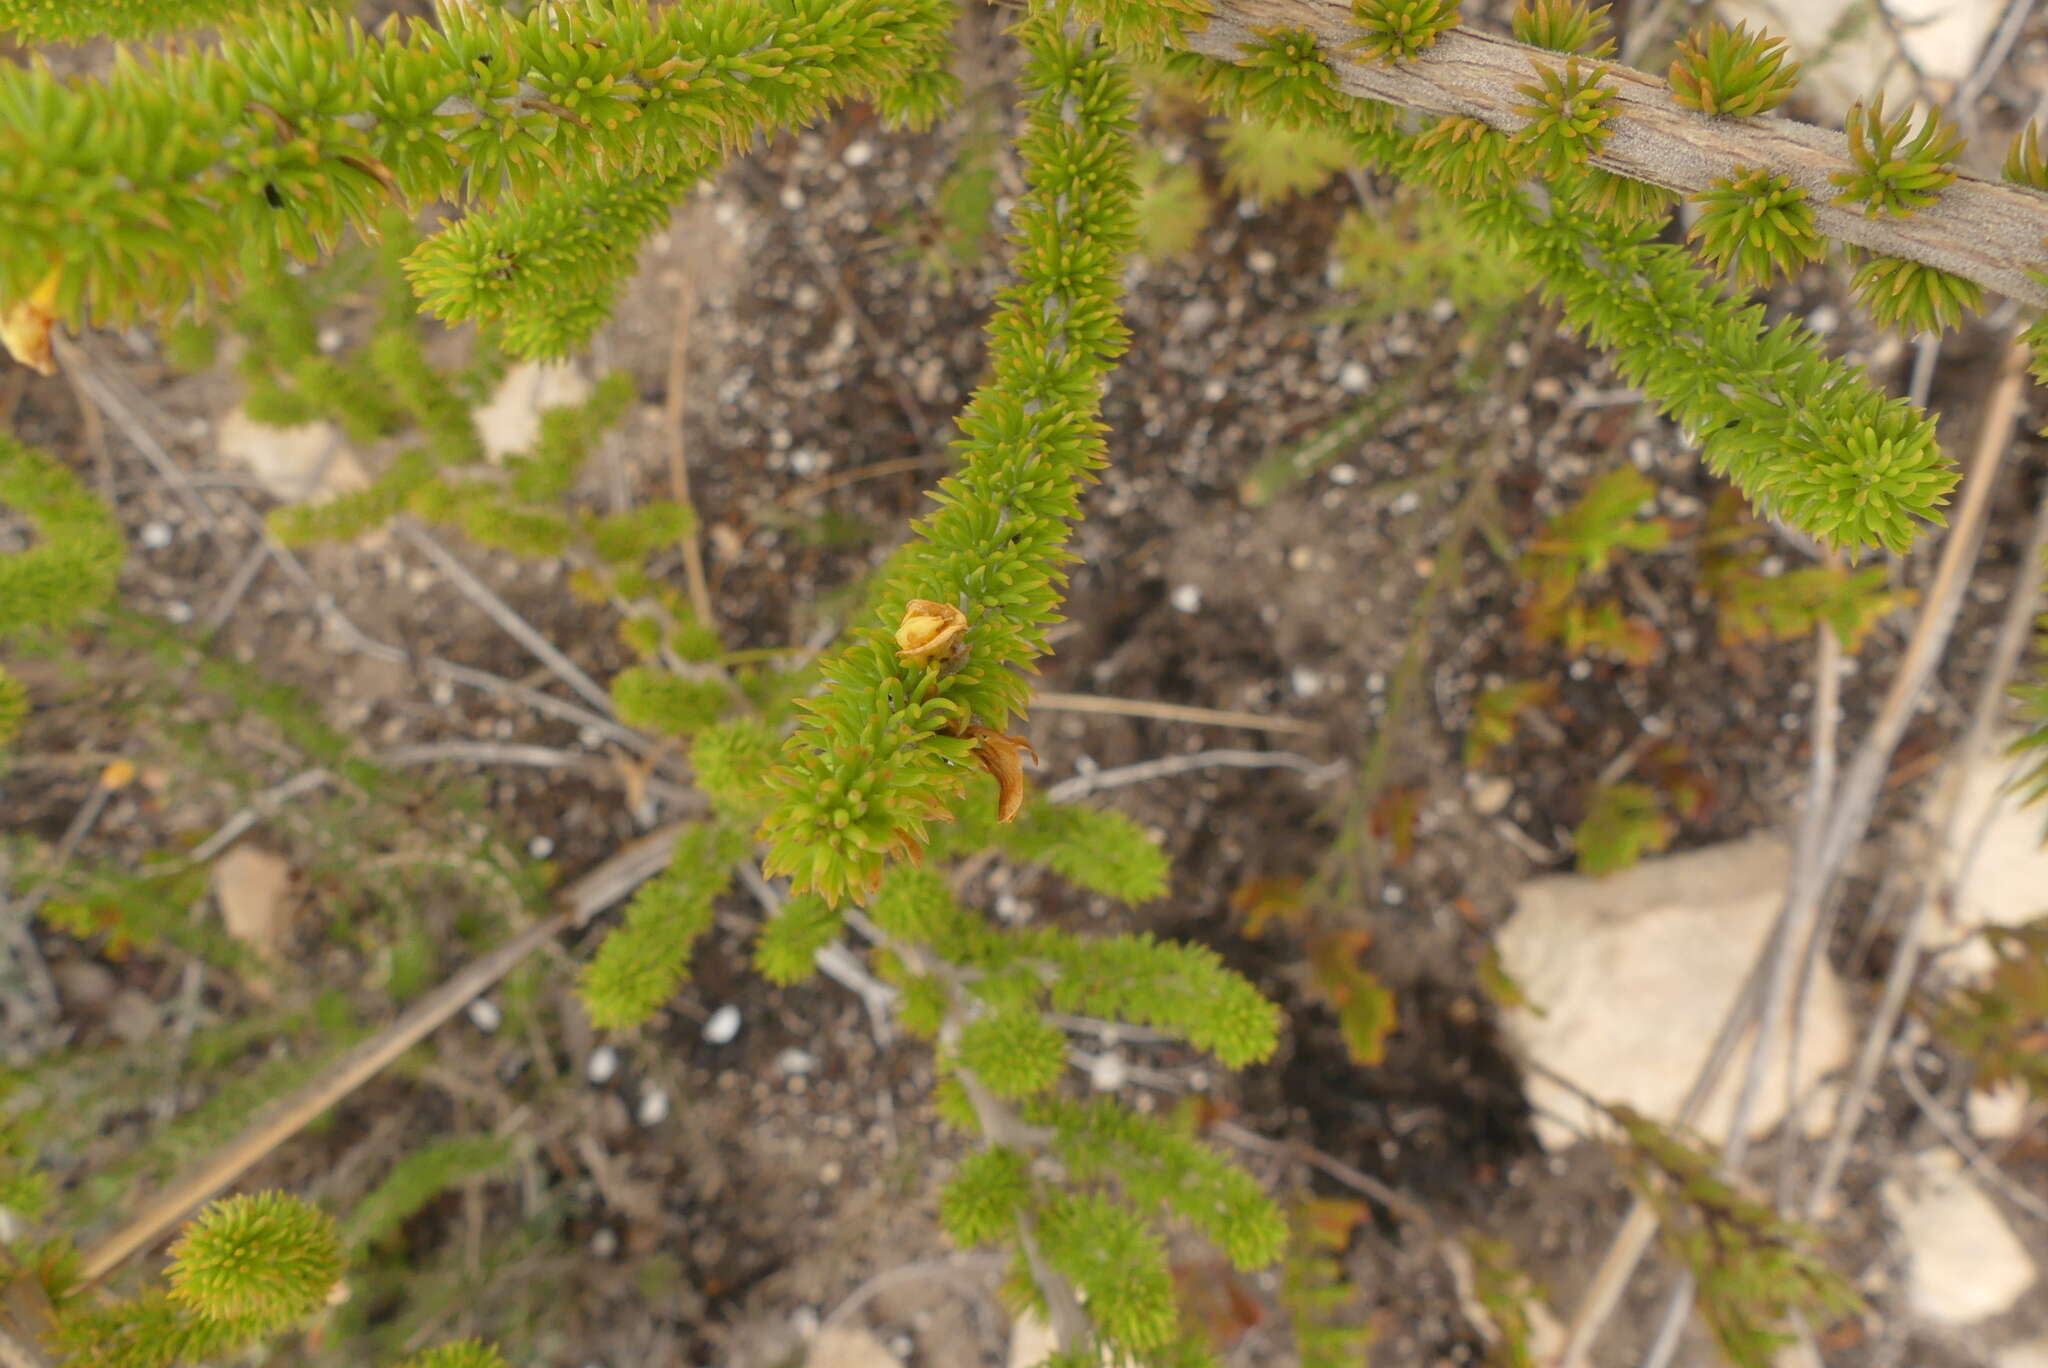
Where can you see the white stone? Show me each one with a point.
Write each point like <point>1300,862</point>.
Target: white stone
<point>155,536</point>
<point>1997,1113</point>
<point>1354,377</point>
<point>510,422</point>
<point>1963,1263</point>
<point>1108,1072</point>
<point>602,1066</point>
<point>2007,882</point>
<point>1187,598</point>
<point>653,1108</point>
<point>484,1015</point>
<point>540,847</point>
<point>291,463</point>
<point>1490,795</point>
<point>2031,1353</point>
<point>252,886</point>
<point>723,1026</point>
<point>794,1061</point>
<point>1633,974</point>
<point>1032,1341</point>
<point>849,1346</point>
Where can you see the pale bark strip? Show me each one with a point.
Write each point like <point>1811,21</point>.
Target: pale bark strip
<point>1983,230</point>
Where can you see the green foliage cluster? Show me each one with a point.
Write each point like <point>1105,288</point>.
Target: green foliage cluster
<point>1564,26</point>
<point>1999,1025</point>
<point>1396,30</point>
<point>1896,175</point>
<point>1568,113</point>
<point>1754,1269</point>
<point>1731,73</point>
<point>1623,823</point>
<point>1580,543</point>
<point>1752,604</point>
<point>878,760</point>
<point>69,572</point>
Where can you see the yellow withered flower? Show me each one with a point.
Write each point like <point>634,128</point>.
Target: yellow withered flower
<point>998,754</point>
<point>930,631</point>
<point>25,326</point>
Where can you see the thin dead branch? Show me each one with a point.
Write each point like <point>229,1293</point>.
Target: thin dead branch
<point>1054,701</point>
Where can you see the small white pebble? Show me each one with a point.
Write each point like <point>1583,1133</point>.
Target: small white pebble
<point>1492,794</point>
<point>1187,598</point>
<point>792,197</point>
<point>602,1066</point>
<point>1404,503</point>
<point>653,1108</point>
<point>1580,669</point>
<point>1344,473</point>
<point>1375,682</point>
<point>177,611</point>
<point>795,1061</point>
<point>1354,377</point>
<point>1393,895</point>
<point>1306,682</point>
<point>604,1243</point>
<point>1301,558</point>
<point>725,213</point>
<point>330,340</point>
<point>1108,1072</point>
<point>1516,354</point>
<point>1214,390</point>
<point>723,1026</point>
<point>831,1172</point>
<point>485,1016</point>
<point>590,738</point>
<point>1261,261</point>
<point>156,535</point>
<point>858,153</point>
<point>540,847</point>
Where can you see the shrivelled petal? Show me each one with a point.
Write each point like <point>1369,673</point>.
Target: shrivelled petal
<point>25,327</point>
<point>929,630</point>
<point>998,754</point>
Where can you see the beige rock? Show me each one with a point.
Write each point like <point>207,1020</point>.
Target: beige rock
<point>1997,1113</point>
<point>251,886</point>
<point>510,422</point>
<point>849,1347</point>
<point>1032,1341</point>
<point>1632,974</point>
<point>1963,1262</point>
<point>2031,1353</point>
<point>296,464</point>
<point>2007,875</point>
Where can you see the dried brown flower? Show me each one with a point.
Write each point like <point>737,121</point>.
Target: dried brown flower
<point>25,326</point>
<point>998,754</point>
<point>929,630</point>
